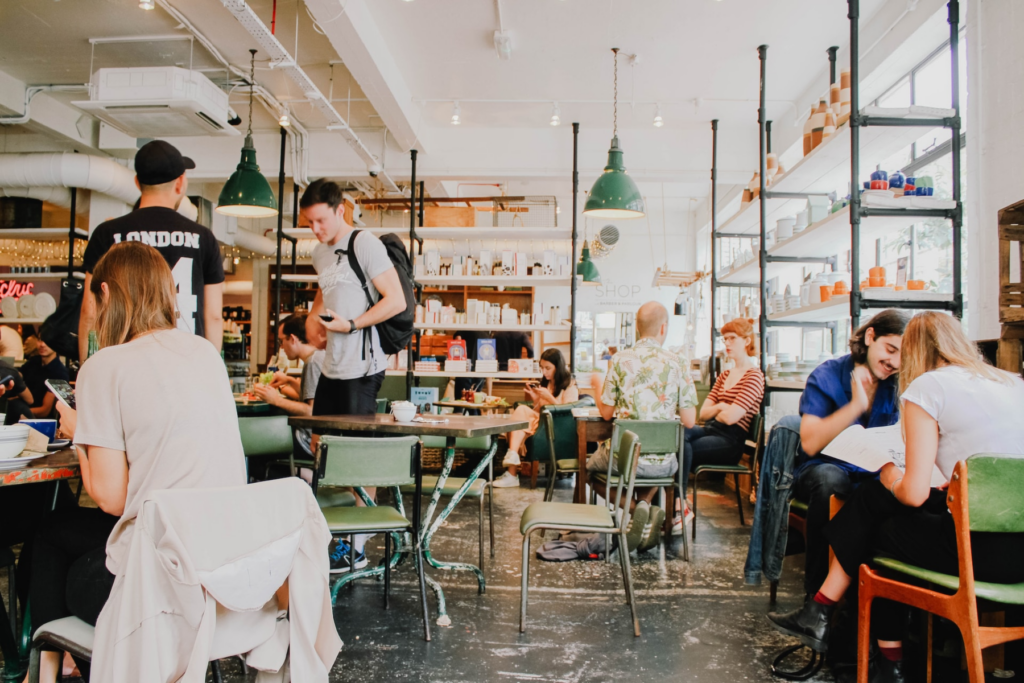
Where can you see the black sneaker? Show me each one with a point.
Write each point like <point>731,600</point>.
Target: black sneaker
<point>339,558</point>
<point>811,624</point>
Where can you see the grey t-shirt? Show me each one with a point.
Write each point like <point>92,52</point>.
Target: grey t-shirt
<point>307,392</point>
<point>343,294</point>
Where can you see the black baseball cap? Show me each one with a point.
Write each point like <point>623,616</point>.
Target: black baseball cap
<point>159,162</point>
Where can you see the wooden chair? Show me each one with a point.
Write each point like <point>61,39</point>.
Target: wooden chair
<point>994,503</point>
<point>751,446</point>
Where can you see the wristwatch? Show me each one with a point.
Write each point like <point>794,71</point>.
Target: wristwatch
<point>352,329</point>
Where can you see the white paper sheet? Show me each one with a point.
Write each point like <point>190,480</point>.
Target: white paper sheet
<point>872,449</point>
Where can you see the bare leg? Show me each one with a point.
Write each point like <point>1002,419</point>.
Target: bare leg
<point>836,582</point>
<point>50,664</point>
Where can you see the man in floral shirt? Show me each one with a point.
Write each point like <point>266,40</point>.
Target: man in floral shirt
<point>646,382</point>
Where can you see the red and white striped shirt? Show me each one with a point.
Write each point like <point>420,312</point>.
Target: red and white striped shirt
<point>748,393</point>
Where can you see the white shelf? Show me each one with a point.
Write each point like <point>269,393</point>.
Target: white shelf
<point>495,281</point>
<point>786,384</point>
<point>33,277</point>
<point>836,308</point>
<point>468,327</point>
<point>22,321</point>
<point>481,375</point>
<point>40,234</point>
<point>517,234</point>
<point>825,169</point>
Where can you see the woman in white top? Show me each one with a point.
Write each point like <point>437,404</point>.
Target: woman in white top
<point>954,405</point>
<point>155,412</point>
<point>555,388</point>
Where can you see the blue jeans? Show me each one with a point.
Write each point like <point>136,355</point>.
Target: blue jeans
<point>711,446</point>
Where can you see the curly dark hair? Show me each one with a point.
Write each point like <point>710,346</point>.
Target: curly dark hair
<point>890,321</point>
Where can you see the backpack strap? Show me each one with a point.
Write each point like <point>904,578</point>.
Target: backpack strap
<point>353,263</point>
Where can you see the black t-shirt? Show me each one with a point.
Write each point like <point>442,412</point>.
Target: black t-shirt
<point>510,345</point>
<point>19,381</point>
<point>36,373</point>
<point>189,249</point>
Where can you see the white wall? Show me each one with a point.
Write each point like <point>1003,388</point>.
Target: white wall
<point>995,151</point>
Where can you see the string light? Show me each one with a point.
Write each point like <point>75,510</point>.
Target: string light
<point>658,121</point>
<point>456,115</point>
<point>147,4</point>
<point>555,115</point>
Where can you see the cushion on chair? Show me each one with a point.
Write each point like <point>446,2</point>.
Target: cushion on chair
<point>377,518</point>
<point>70,634</point>
<point>335,497</point>
<point>536,446</point>
<point>640,483</point>
<point>596,517</point>
<point>568,465</point>
<point>1006,593</point>
<point>451,486</point>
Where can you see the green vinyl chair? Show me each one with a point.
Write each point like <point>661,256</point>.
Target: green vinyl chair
<point>555,443</point>
<point>475,492</point>
<point>751,445</point>
<point>986,494</point>
<point>657,437</point>
<point>382,405</point>
<point>357,462</point>
<point>589,518</point>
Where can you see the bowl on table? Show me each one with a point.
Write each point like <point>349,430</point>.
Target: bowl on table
<point>403,411</point>
<point>12,440</point>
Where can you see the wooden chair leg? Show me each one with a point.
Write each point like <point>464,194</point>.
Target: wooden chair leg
<point>930,649</point>
<point>972,649</point>
<point>865,596</point>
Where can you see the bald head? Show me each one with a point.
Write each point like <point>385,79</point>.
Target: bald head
<point>652,321</point>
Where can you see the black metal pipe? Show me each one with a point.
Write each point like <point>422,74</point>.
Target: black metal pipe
<point>855,306</point>
<point>412,243</point>
<point>714,242</point>
<point>832,64</point>
<point>768,134</point>
<point>762,52</point>
<point>954,49</point>
<point>572,257</point>
<point>736,285</point>
<point>945,122</point>
<point>280,235</point>
<point>422,201</point>
<point>71,233</point>
<point>793,195</point>
<point>911,305</point>
<point>799,259</point>
<point>867,212</point>
<point>295,222</point>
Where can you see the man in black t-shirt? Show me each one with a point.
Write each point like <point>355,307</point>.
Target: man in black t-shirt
<point>190,249</point>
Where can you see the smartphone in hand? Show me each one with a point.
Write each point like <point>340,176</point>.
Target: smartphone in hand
<point>326,318</point>
<point>64,392</point>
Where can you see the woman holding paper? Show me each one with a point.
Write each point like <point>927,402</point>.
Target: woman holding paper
<point>555,388</point>
<point>954,405</point>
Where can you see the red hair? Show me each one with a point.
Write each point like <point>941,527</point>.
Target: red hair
<point>742,327</point>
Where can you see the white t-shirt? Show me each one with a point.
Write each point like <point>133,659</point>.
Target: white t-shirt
<point>165,400</point>
<point>344,295</point>
<point>975,415</point>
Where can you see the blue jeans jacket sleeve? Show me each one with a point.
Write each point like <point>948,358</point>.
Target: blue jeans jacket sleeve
<point>771,514</point>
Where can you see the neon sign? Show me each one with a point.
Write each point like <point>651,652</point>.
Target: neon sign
<point>15,289</point>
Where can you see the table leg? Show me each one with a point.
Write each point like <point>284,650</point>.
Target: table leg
<point>581,454</point>
<point>13,670</point>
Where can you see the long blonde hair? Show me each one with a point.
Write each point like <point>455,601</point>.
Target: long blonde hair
<point>141,295</point>
<point>934,339</point>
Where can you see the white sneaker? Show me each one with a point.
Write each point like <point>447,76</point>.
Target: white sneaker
<point>506,481</point>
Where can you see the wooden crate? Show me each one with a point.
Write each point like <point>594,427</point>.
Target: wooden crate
<point>449,217</point>
<point>1011,294</point>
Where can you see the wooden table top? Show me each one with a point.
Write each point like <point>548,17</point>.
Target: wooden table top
<point>589,414</point>
<point>464,426</point>
<point>61,464</point>
<point>469,405</point>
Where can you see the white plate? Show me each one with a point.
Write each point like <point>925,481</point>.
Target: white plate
<point>9,307</point>
<point>27,306</point>
<point>58,444</point>
<point>17,463</point>
<point>45,305</point>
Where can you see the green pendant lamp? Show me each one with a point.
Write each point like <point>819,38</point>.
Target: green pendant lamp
<point>585,268</point>
<point>247,193</point>
<point>614,194</point>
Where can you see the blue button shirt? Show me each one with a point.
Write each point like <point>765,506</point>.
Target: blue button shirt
<point>828,389</point>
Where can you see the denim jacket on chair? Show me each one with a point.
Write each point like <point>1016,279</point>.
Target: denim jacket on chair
<point>771,514</point>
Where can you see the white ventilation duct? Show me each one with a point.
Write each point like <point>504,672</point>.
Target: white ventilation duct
<point>22,172</point>
<point>256,243</point>
<point>58,196</point>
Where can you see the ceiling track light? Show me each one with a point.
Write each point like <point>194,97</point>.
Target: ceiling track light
<point>456,115</point>
<point>147,4</point>
<point>284,121</point>
<point>658,121</point>
<point>556,115</point>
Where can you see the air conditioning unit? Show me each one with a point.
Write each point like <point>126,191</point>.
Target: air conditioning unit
<point>158,102</point>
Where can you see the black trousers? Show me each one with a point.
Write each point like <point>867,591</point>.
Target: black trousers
<point>873,522</point>
<point>712,444</point>
<point>69,572</point>
<point>357,396</point>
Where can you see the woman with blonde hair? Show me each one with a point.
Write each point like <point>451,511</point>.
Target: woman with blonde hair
<point>155,412</point>
<point>954,405</point>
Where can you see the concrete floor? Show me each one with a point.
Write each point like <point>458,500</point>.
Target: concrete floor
<point>699,621</point>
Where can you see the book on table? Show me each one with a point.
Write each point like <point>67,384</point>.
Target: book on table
<point>872,449</point>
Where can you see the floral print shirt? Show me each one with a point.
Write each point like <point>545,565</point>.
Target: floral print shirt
<point>647,382</point>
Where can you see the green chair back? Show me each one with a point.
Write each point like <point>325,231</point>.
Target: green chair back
<point>475,443</point>
<point>382,405</point>
<point>657,437</point>
<point>996,493</point>
<point>269,435</point>
<point>626,458</point>
<point>360,461</point>
<point>563,440</point>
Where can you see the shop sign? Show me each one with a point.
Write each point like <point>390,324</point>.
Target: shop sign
<point>15,288</point>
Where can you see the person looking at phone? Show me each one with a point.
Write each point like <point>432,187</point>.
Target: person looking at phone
<point>155,411</point>
<point>36,370</point>
<point>555,388</point>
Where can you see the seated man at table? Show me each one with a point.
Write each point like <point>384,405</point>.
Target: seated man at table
<point>291,394</point>
<point>645,382</point>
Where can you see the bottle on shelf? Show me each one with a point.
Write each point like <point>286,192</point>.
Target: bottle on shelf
<point>818,123</point>
<point>808,127</point>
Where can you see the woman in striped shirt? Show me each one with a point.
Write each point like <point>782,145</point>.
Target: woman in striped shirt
<point>732,403</point>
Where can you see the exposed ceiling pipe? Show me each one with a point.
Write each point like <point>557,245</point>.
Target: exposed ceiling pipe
<point>255,243</point>
<point>281,59</point>
<point>58,196</point>
<point>60,169</point>
<point>30,92</point>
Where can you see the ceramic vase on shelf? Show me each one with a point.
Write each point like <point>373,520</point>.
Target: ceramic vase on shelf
<point>808,127</point>
<point>818,123</point>
<point>834,97</point>
<point>844,96</point>
<point>830,125</point>
<point>771,168</point>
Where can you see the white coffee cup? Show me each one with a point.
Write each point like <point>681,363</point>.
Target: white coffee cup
<point>404,411</point>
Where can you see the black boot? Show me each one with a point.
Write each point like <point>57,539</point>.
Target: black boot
<point>810,624</point>
<point>888,672</point>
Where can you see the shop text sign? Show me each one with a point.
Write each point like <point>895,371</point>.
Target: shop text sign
<point>15,289</point>
<point>614,295</point>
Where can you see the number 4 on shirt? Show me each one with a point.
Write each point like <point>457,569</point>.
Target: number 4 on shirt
<point>187,301</point>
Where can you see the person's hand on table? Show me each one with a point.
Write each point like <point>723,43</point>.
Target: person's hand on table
<point>543,394</point>
<point>280,379</point>
<point>68,421</point>
<point>267,393</point>
<point>339,324</point>
<point>860,379</point>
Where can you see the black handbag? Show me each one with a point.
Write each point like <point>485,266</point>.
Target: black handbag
<point>60,330</point>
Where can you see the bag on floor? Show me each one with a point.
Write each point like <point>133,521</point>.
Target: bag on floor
<point>590,547</point>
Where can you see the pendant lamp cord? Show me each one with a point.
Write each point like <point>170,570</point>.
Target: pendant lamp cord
<point>252,84</point>
<point>615,106</point>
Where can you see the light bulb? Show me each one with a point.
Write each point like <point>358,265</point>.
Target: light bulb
<point>658,121</point>
<point>147,4</point>
<point>284,121</point>
<point>456,115</point>
<point>555,118</point>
